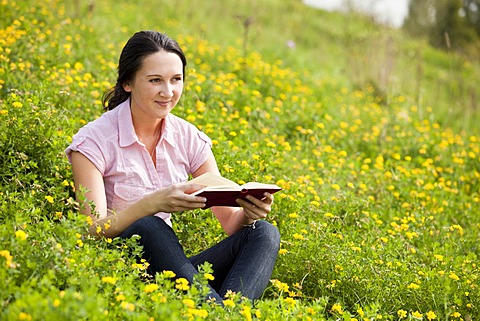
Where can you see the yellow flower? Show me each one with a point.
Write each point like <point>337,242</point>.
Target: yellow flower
<point>199,312</point>
<point>109,279</point>
<point>169,274</point>
<point>438,257</point>
<point>298,236</point>
<point>453,276</point>
<point>337,308</point>
<point>24,316</point>
<point>182,284</point>
<point>402,314</point>
<point>290,301</point>
<point>17,104</point>
<point>149,288</point>
<point>21,235</point>
<point>282,251</point>
<point>431,315</point>
<point>246,312</point>
<point>413,286</point>
<point>128,306</point>
<point>456,314</point>
<point>209,277</point>
<point>49,199</point>
<point>229,303</point>
<point>120,297</point>
<point>189,303</point>
<point>417,315</point>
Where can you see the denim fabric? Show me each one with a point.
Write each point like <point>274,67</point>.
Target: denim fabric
<point>243,262</point>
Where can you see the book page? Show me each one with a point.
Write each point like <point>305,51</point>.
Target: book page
<point>255,185</point>
<point>210,179</point>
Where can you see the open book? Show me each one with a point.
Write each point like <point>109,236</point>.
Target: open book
<point>221,191</point>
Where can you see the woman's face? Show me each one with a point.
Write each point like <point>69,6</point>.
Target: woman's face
<point>156,87</point>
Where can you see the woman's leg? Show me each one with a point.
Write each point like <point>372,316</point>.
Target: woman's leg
<point>162,250</point>
<point>244,261</point>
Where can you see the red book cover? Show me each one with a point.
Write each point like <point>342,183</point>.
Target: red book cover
<point>223,192</point>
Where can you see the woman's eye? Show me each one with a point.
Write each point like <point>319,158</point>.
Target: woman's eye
<point>176,79</point>
<point>155,80</point>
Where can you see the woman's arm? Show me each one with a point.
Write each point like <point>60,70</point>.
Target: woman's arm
<point>87,178</point>
<point>233,219</point>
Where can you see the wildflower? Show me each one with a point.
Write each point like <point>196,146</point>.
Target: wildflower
<point>49,199</point>
<point>456,314</point>
<point>109,279</point>
<point>128,306</point>
<point>293,215</point>
<point>282,251</point>
<point>431,315</point>
<point>402,314</point>
<point>182,284</point>
<point>120,297</point>
<point>24,316</point>
<point>199,312</point>
<point>229,303</point>
<point>56,303</point>
<point>149,288</point>
<point>298,236</point>
<point>438,257</point>
<point>280,285</point>
<point>17,104</point>
<point>417,315</point>
<point>21,235</point>
<point>189,303</point>
<point>169,274</point>
<point>453,276</point>
<point>337,308</point>
<point>209,277</point>
<point>246,312</point>
<point>8,258</point>
<point>328,215</point>
<point>290,301</point>
<point>336,187</point>
<point>413,286</point>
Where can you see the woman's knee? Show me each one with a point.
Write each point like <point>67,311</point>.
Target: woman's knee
<point>146,226</point>
<point>269,233</point>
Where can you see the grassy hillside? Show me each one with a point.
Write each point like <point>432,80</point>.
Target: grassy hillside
<point>372,136</point>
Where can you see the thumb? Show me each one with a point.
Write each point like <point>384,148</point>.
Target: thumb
<point>192,188</point>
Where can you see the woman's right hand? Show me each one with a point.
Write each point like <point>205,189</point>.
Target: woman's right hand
<point>175,198</point>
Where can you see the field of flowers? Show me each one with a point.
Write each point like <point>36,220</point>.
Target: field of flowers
<point>379,213</point>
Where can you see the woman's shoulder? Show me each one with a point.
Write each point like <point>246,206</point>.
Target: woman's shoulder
<point>102,128</point>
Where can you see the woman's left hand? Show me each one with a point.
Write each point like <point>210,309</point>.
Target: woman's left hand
<point>255,209</point>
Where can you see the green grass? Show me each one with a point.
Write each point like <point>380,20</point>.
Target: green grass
<point>372,136</point>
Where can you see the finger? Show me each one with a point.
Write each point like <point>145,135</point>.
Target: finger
<point>191,188</point>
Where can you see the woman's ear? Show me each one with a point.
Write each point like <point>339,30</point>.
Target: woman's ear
<point>127,87</point>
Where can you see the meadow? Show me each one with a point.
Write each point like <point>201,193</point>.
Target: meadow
<point>377,154</point>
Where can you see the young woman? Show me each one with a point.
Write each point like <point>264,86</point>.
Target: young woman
<point>133,164</point>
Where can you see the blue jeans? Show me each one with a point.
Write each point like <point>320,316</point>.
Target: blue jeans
<point>243,262</point>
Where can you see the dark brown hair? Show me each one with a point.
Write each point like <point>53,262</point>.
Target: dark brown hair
<point>139,46</point>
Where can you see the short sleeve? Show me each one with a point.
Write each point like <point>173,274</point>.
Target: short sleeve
<point>88,147</point>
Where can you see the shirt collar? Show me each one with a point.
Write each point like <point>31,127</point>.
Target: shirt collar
<point>127,135</point>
